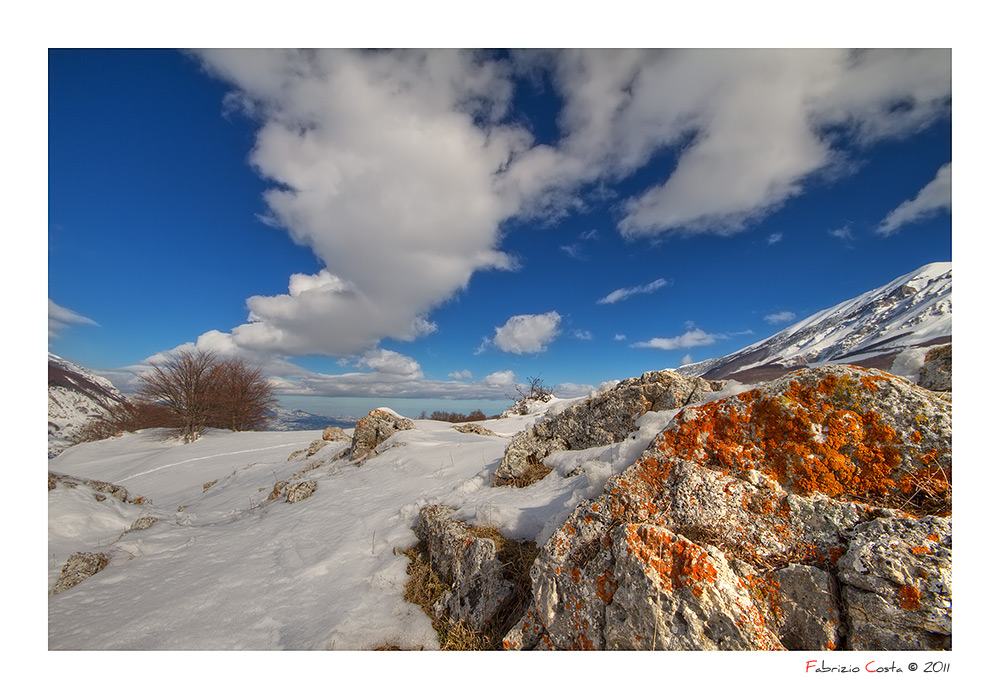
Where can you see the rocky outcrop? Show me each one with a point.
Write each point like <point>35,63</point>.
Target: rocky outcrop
<point>935,374</point>
<point>809,513</point>
<point>292,491</point>
<point>78,568</point>
<point>473,428</point>
<point>335,434</point>
<point>606,419</point>
<point>143,523</point>
<point>468,561</point>
<point>375,428</point>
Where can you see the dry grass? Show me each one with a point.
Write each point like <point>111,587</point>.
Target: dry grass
<point>534,473</point>
<point>425,588</point>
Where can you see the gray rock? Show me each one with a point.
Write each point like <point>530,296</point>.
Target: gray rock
<point>115,491</point>
<point>896,584</point>
<point>606,419</point>
<point>78,568</point>
<point>298,492</point>
<point>375,428</point>
<point>468,563</point>
<point>335,434</point>
<point>315,446</point>
<point>473,428</point>
<point>935,374</point>
<point>143,523</point>
<point>806,607</point>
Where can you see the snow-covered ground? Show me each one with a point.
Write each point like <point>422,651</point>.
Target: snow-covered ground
<point>222,568</point>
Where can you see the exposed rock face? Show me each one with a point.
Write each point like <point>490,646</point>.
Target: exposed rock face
<point>606,419</point>
<point>469,563</point>
<point>764,521</point>
<point>143,523</point>
<point>375,428</point>
<point>473,428</point>
<point>896,584</point>
<point>335,434</point>
<point>297,492</point>
<point>935,374</point>
<point>78,568</point>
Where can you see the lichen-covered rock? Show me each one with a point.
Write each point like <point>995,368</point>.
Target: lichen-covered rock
<point>473,428</point>
<point>296,454</point>
<point>298,492</point>
<point>896,584</point>
<point>375,428</point>
<point>606,419</point>
<point>468,563</point>
<point>143,523</point>
<point>277,491</point>
<point>754,522</point>
<point>78,568</point>
<point>935,374</point>
<point>335,434</point>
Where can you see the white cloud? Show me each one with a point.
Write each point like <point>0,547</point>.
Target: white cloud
<point>623,293</point>
<point>60,318</point>
<point>361,146</point>
<point>775,238</point>
<point>583,335</point>
<point>499,379</point>
<point>687,359</point>
<point>842,233</point>
<point>397,168</point>
<point>385,361</point>
<point>589,235</point>
<point>527,334</point>
<point>463,375</point>
<point>780,317</point>
<point>692,338</point>
<point>753,125</point>
<point>574,251</point>
<point>619,337</point>
<point>933,198</point>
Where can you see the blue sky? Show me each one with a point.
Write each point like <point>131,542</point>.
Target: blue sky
<point>421,229</point>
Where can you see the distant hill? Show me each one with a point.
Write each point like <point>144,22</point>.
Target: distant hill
<point>286,420</point>
<point>76,395</point>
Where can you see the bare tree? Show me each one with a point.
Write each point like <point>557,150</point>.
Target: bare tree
<point>243,396</point>
<point>201,390</point>
<point>183,384</point>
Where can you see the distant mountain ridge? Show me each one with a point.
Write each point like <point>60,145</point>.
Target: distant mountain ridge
<point>286,420</point>
<point>76,395</point>
<point>910,313</point>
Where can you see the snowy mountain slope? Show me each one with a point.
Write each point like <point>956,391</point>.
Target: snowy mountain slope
<point>223,568</point>
<point>76,395</point>
<point>909,314</point>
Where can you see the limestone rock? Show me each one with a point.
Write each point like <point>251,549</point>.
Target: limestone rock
<point>315,446</point>
<point>298,492</point>
<point>935,374</point>
<point>896,584</point>
<point>78,568</point>
<point>606,419</point>
<point>143,523</point>
<point>806,607</point>
<point>335,434</point>
<point>473,428</point>
<point>116,491</point>
<point>468,563</point>
<point>782,517</point>
<point>375,428</point>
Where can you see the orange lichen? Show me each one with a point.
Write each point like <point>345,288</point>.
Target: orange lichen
<point>920,550</point>
<point>677,563</point>
<point>812,437</point>
<point>909,597</point>
<point>606,586</point>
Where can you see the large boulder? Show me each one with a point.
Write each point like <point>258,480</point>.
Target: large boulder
<point>809,513</point>
<point>374,428</point>
<point>605,419</point>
